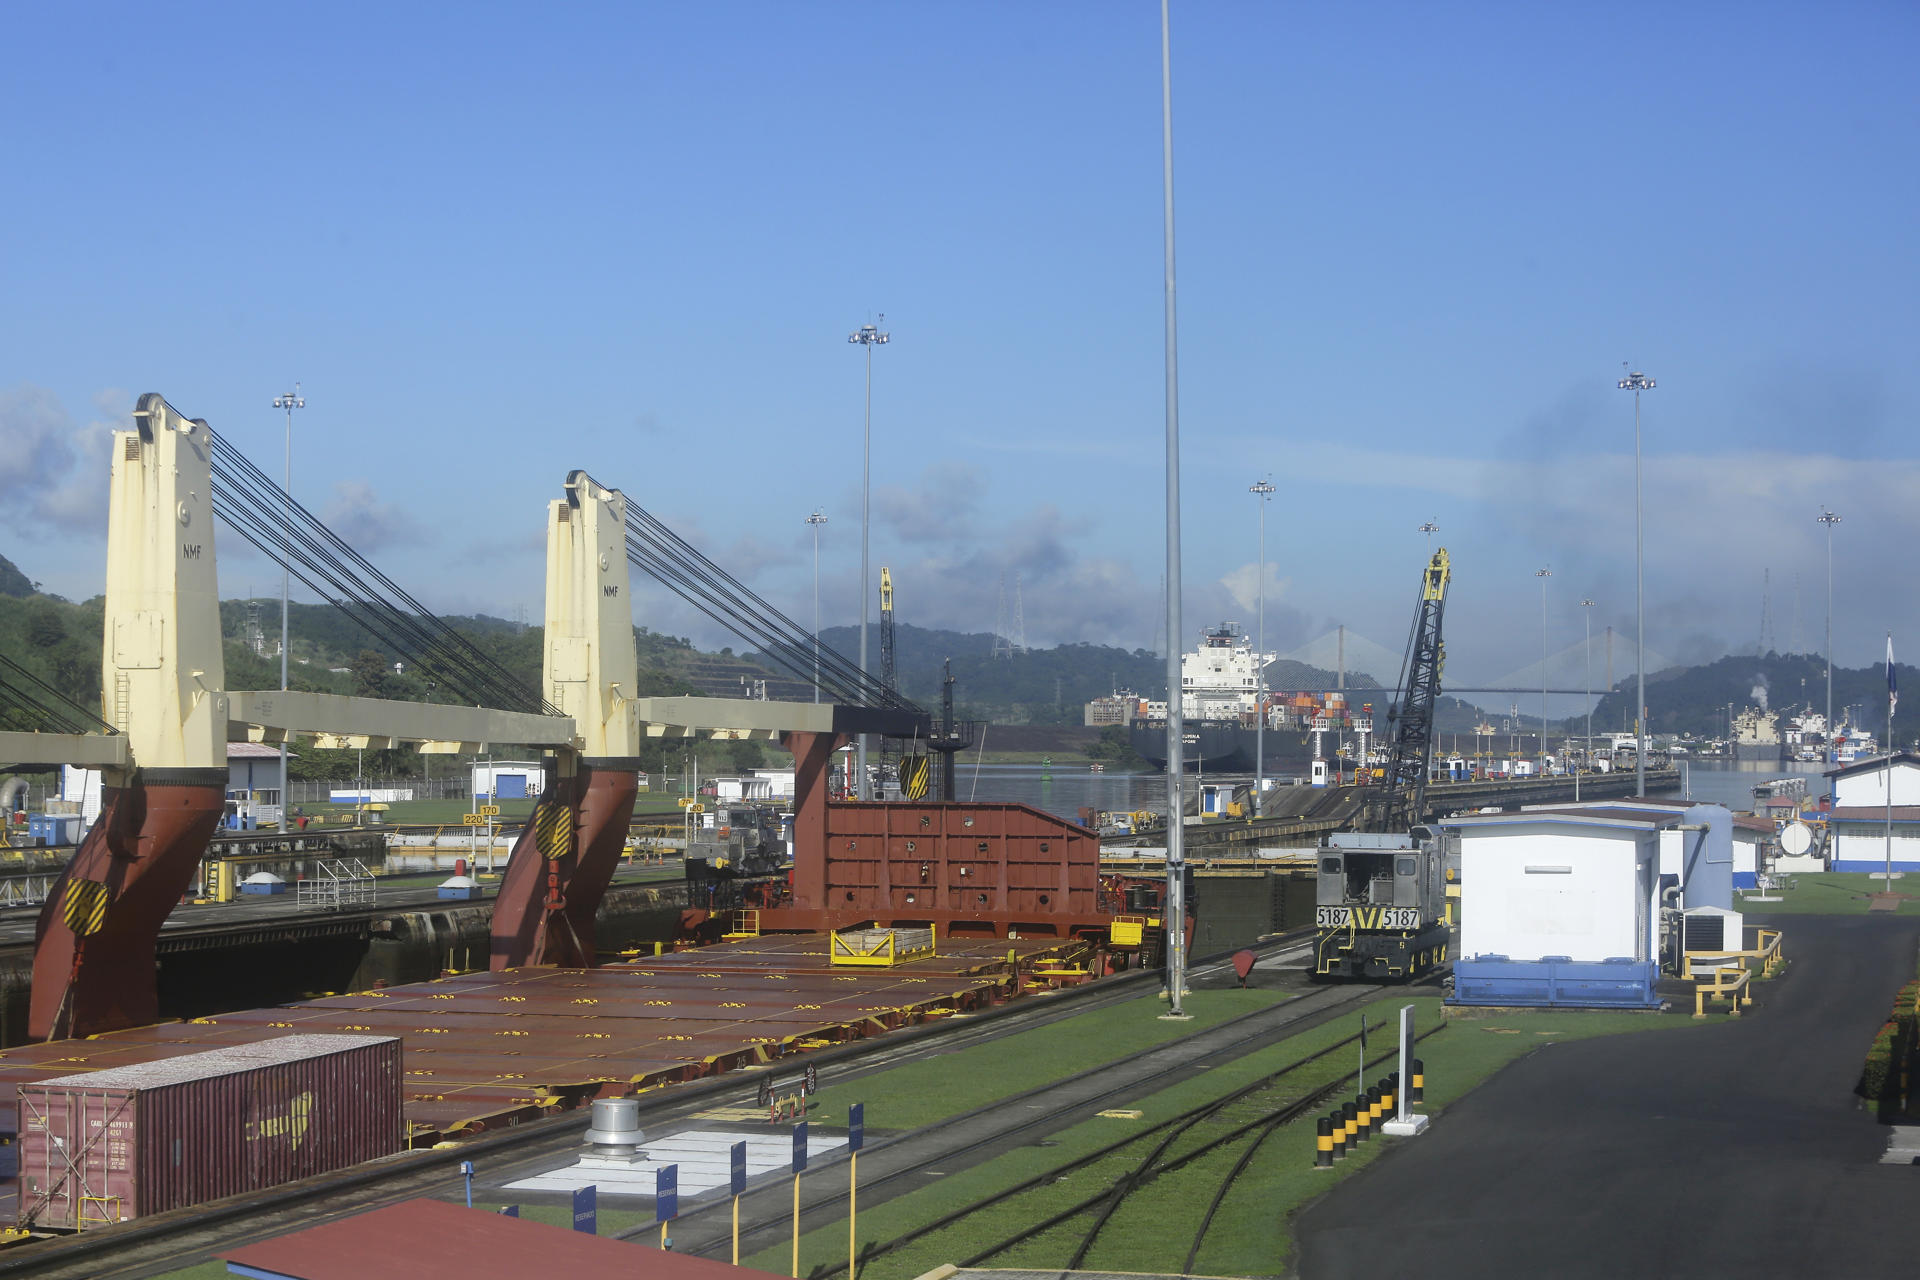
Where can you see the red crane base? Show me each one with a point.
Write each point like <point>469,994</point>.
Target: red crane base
<point>93,958</point>
<point>546,907</point>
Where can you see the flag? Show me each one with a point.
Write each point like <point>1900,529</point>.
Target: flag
<point>1893,690</point>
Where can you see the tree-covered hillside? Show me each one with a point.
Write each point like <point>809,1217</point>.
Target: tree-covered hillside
<point>1695,699</point>
<point>12,581</point>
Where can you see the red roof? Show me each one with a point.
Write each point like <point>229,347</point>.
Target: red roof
<point>434,1240</point>
<point>253,751</point>
<point>1874,813</point>
<point>1746,822</point>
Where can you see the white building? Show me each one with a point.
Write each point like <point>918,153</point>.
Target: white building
<point>509,779</point>
<point>1858,823</point>
<point>1560,907</point>
<point>1865,782</point>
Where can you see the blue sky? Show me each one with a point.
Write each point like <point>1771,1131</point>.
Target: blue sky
<point>1416,242</point>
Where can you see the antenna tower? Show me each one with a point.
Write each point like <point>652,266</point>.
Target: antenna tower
<point>1002,646</point>
<point>1019,637</point>
<point>1766,612</point>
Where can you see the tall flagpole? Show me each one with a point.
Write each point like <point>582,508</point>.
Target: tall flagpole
<point>1893,696</point>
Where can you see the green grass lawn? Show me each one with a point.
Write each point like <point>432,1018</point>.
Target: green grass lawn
<point>1250,1235</point>
<point>934,1089</point>
<point>1833,893</point>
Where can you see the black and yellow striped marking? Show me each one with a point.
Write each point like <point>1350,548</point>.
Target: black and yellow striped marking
<point>914,772</point>
<point>84,906</point>
<point>553,829</point>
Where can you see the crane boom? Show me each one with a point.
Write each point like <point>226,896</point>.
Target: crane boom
<point>1402,798</point>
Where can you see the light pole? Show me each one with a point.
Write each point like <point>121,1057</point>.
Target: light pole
<point>1830,519</point>
<point>869,337</point>
<point>1429,528</point>
<point>815,521</point>
<point>1176,900</point>
<point>291,401</point>
<point>1262,491</point>
<point>1637,382</point>
<point>1586,752</point>
<point>1543,575</point>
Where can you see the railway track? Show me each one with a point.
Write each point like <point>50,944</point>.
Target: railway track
<point>169,1242</point>
<point>1158,1161</point>
<point>904,1162</point>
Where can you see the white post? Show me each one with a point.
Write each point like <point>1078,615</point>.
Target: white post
<point>1405,1124</point>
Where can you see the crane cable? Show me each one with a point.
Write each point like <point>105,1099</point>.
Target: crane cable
<point>284,531</point>
<point>44,706</point>
<point>722,597</point>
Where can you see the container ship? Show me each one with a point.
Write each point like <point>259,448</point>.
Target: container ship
<point>1221,705</point>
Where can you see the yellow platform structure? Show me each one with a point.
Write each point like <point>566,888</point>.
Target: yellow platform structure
<point>881,948</point>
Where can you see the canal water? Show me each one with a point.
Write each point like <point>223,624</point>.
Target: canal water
<point>1063,789</point>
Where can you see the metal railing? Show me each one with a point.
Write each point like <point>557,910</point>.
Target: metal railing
<point>334,885</point>
<point>1716,977</point>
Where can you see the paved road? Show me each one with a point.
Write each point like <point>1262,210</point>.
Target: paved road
<point>1730,1150</point>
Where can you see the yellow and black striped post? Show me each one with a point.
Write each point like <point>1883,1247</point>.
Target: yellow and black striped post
<point>1419,1082</point>
<point>1337,1123</point>
<point>1323,1144</point>
<point>1351,1115</point>
<point>1389,1088</point>
<point>1363,1116</point>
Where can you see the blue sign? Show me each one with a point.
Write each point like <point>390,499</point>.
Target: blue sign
<point>510,1211</point>
<point>856,1126</point>
<point>800,1147</point>
<point>739,1171</point>
<point>666,1193</point>
<point>584,1218</point>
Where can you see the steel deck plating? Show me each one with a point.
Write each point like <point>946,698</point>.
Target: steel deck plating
<point>487,1050</point>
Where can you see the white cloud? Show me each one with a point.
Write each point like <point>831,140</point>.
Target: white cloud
<point>53,470</point>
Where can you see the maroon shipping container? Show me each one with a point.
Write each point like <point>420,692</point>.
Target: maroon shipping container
<point>106,1146</point>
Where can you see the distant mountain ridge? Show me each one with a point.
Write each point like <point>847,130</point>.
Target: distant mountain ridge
<point>1696,699</point>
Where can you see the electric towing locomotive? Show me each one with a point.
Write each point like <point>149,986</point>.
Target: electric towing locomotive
<point>1380,906</point>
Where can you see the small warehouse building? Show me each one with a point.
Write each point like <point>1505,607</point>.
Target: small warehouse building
<point>1858,823</point>
<point>509,779</point>
<point>1560,907</point>
<point>1858,837</point>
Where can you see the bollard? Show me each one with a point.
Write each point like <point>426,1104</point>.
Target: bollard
<point>1323,1144</point>
<point>1376,1105</point>
<point>1419,1082</point>
<point>1350,1117</point>
<point>1389,1089</point>
<point>1337,1121</point>
<point>1363,1116</point>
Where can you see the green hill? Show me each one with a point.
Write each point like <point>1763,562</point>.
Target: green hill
<point>1695,699</point>
<point>13,582</point>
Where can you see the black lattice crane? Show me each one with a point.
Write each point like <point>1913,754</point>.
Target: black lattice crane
<point>1400,799</point>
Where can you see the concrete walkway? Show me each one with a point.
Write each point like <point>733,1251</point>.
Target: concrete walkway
<point>1730,1150</point>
